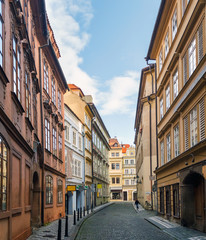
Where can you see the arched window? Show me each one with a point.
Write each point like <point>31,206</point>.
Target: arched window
<point>59,191</point>
<point>3,174</point>
<point>49,189</point>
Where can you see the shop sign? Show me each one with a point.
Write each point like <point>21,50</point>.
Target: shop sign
<point>71,188</point>
<point>86,187</point>
<point>99,186</point>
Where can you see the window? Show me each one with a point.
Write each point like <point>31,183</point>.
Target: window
<point>1,34</point>
<point>168,200</point>
<point>117,154</point>
<point>79,169</point>
<point>49,190</point>
<point>202,119</point>
<point>132,171</point>
<point>54,140</point>
<point>3,174</point>
<point>80,142</point>
<point>167,97</point>
<point>162,199</point>
<point>126,182</point>
<point>126,161</point>
<point>184,61</point>
<point>174,24</point>
<point>75,138</point>
<point>28,96</point>
<point>162,153</point>
<point>16,69</point>
<point>59,191</point>
<point>186,133</point>
<point>200,43</point>
<point>175,84</point>
<point>126,171</point>
<point>166,44</point>
<point>193,127</point>
<point>132,182</point>
<point>47,135</point>
<point>184,6</point>
<point>67,126</point>
<point>161,108</point>
<point>53,91</point>
<point>60,147</point>
<point>160,60</point>
<point>192,57</point>
<point>168,148</point>
<point>113,180</point>
<point>46,77</point>
<point>113,165</point>
<point>132,161</point>
<point>117,180</point>
<point>176,207</point>
<point>117,165</point>
<point>176,141</point>
<point>59,101</point>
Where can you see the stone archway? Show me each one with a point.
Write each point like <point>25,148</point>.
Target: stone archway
<point>35,212</point>
<point>193,201</point>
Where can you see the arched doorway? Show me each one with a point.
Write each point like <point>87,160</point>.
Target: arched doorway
<point>193,201</point>
<point>35,213</point>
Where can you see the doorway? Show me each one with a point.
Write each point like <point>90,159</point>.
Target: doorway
<point>35,212</point>
<point>125,196</point>
<point>193,201</point>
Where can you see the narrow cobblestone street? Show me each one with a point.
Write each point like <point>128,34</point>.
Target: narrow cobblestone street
<point>119,221</point>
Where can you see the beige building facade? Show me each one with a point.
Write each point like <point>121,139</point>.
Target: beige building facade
<point>145,139</point>
<point>178,46</point>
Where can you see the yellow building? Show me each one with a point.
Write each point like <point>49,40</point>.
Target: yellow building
<point>115,170</point>
<point>145,139</point>
<point>178,46</point>
<point>129,186</point>
<point>75,99</point>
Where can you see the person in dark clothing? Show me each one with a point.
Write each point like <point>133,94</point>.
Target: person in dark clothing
<point>137,204</point>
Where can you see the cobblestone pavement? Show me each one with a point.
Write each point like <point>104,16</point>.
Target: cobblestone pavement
<point>120,221</point>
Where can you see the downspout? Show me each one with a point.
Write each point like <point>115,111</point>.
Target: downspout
<point>83,135</point>
<point>42,132</point>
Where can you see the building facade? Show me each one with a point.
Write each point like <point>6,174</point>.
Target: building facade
<point>74,160</point>
<point>145,139</point>
<point>129,185</point>
<point>178,46</point>
<point>75,99</point>
<point>32,175</point>
<point>100,155</point>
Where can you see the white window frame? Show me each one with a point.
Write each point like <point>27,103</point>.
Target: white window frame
<point>192,56</point>
<point>161,108</point>
<point>162,152</point>
<point>160,60</point>
<point>168,139</point>
<point>47,135</point>
<point>175,84</point>
<point>176,141</point>
<point>174,24</point>
<point>167,97</point>
<point>166,44</point>
<point>193,127</point>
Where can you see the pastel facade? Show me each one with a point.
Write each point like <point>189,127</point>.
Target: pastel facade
<point>178,46</point>
<point>145,139</point>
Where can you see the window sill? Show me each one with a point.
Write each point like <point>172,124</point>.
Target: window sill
<point>177,217</point>
<point>3,76</point>
<point>29,123</point>
<point>59,204</point>
<point>49,206</point>
<point>17,102</point>
<point>27,208</point>
<point>46,150</point>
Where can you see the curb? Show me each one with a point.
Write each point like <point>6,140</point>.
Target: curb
<point>78,226</point>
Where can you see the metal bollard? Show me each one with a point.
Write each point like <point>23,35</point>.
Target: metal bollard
<point>66,227</point>
<point>80,212</point>
<point>78,215</point>
<point>59,229</point>
<point>84,211</point>
<point>74,218</point>
<point>87,209</point>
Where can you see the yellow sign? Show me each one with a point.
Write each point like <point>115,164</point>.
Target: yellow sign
<point>71,188</point>
<point>99,186</point>
<point>97,194</point>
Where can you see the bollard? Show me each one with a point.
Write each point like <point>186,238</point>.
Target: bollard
<point>87,209</point>
<point>74,218</point>
<point>66,227</point>
<point>84,211</point>
<point>59,229</point>
<point>78,214</point>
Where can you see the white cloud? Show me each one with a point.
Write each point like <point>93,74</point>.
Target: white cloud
<point>72,37</point>
<point>118,97</point>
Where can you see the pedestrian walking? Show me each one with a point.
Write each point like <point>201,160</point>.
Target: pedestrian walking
<point>137,204</point>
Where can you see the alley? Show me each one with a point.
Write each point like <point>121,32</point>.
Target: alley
<point>119,221</point>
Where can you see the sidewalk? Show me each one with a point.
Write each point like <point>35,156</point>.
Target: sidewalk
<point>51,230</point>
<point>173,229</point>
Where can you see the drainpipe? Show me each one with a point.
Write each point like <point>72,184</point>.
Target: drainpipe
<point>42,131</point>
<point>83,135</point>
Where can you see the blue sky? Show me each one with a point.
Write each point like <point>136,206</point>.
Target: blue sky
<point>103,44</point>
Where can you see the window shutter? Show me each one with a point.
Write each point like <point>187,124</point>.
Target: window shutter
<point>186,132</point>
<point>200,43</point>
<point>202,119</point>
<point>185,68</point>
